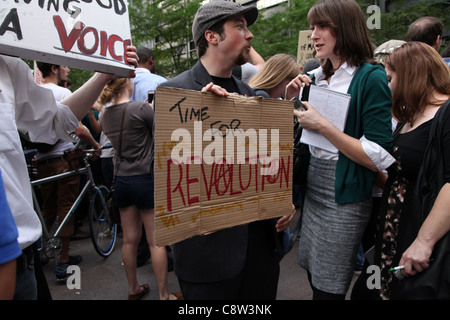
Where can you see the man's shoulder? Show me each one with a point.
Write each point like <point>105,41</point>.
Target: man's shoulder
<point>58,91</point>
<point>149,77</point>
<point>184,80</point>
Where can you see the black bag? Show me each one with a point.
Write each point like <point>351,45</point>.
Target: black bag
<point>113,210</point>
<point>434,282</point>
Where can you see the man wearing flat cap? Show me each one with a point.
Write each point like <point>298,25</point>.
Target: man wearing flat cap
<point>239,262</point>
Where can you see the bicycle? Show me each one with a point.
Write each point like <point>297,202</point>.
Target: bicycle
<point>102,231</point>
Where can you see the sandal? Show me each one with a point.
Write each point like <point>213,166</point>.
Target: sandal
<point>177,295</point>
<point>136,296</point>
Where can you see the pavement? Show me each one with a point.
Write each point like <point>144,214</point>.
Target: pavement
<point>104,278</point>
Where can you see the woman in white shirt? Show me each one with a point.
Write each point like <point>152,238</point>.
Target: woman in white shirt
<point>339,184</point>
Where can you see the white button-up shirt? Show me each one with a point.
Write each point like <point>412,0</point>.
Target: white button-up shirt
<point>32,110</point>
<point>340,82</point>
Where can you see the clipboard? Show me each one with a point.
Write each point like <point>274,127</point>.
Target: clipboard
<point>333,106</point>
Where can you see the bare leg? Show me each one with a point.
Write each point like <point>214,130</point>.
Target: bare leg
<point>132,228</point>
<point>158,254</point>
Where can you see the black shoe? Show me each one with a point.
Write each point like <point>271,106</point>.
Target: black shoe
<point>61,272</point>
<point>73,260</point>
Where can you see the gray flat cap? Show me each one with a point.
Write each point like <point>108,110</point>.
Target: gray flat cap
<point>215,11</point>
<point>386,48</point>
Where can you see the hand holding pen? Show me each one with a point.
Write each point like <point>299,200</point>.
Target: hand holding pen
<point>397,270</point>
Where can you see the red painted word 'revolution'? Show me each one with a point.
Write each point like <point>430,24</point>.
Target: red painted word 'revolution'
<point>219,180</point>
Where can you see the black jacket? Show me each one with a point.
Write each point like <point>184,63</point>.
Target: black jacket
<point>220,255</point>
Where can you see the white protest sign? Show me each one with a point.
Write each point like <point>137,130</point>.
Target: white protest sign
<point>83,34</point>
<point>305,50</point>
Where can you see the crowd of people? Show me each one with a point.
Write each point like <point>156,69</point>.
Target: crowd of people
<point>365,195</point>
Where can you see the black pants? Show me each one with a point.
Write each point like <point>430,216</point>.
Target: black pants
<point>322,295</point>
<point>257,280</point>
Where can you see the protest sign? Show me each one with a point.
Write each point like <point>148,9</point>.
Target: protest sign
<point>219,162</point>
<point>305,48</point>
<point>83,34</point>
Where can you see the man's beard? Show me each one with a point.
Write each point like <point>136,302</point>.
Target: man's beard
<point>242,58</point>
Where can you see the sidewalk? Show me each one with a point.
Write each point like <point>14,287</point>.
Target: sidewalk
<point>104,278</point>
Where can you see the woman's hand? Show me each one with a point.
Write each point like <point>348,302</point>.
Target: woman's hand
<point>415,258</point>
<point>310,119</point>
<point>293,88</point>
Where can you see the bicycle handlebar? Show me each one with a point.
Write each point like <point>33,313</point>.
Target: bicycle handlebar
<point>106,146</point>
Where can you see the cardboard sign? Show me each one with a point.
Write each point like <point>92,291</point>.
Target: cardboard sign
<point>219,162</point>
<point>83,34</point>
<point>305,47</point>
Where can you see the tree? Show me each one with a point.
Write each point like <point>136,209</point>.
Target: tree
<point>278,32</point>
<point>401,13</point>
<point>165,25</point>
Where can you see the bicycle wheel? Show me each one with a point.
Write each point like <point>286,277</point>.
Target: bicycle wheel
<point>103,231</point>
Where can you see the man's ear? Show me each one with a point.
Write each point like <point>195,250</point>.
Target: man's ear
<point>212,37</point>
<point>54,69</point>
<point>437,44</point>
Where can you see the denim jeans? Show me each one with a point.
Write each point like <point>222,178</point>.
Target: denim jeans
<point>26,285</point>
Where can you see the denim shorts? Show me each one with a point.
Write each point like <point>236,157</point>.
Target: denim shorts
<point>134,190</point>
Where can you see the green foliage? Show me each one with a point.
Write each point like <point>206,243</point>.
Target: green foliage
<point>278,32</point>
<point>401,13</point>
<point>78,77</point>
<point>169,22</point>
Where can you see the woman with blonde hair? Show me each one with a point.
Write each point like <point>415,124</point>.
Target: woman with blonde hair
<point>133,185</point>
<point>276,74</point>
<point>271,82</point>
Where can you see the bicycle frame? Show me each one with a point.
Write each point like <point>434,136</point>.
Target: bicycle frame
<point>87,187</point>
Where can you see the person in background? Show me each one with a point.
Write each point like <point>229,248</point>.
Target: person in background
<point>272,79</point>
<point>416,99</point>
<point>146,78</point>
<point>445,54</point>
<point>58,196</point>
<point>385,49</point>
<point>271,82</point>
<point>246,71</point>
<point>133,185</point>
<point>33,113</point>
<point>428,30</point>
<point>339,184</point>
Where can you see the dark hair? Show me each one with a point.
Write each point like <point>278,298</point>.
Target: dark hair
<point>348,25</point>
<point>425,29</point>
<point>46,68</point>
<point>144,54</point>
<point>420,71</point>
<point>202,43</point>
